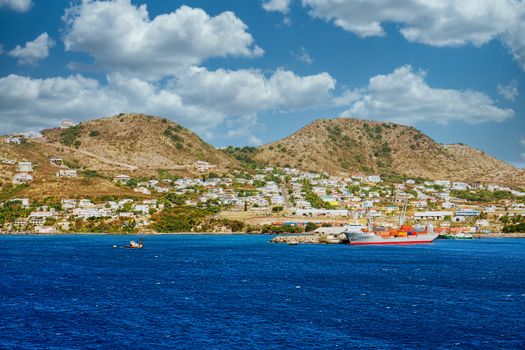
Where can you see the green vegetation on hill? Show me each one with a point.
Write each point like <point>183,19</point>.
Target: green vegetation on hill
<point>70,135</point>
<point>243,154</point>
<point>513,224</point>
<point>482,195</point>
<point>191,219</point>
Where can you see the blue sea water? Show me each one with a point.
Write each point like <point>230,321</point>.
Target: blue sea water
<point>241,292</point>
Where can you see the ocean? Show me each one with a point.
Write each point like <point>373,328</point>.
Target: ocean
<point>241,292</point>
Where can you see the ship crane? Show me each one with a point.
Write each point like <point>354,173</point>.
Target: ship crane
<point>403,213</point>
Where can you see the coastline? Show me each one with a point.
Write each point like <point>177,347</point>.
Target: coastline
<point>477,235</point>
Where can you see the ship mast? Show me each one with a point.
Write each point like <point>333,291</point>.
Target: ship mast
<point>403,213</point>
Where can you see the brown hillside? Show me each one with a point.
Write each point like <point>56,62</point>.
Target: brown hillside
<point>138,143</point>
<point>133,144</point>
<point>345,146</point>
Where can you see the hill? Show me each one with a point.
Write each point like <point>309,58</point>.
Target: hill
<point>345,146</point>
<point>134,144</point>
<point>137,142</point>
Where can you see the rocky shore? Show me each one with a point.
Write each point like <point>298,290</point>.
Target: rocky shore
<point>500,235</point>
<point>310,239</point>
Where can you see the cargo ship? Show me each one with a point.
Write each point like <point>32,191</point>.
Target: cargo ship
<point>361,235</point>
<point>390,237</point>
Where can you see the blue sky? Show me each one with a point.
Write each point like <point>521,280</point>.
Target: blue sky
<point>251,72</point>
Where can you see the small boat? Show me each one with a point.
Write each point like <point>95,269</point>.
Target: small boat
<point>135,245</point>
<point>132,245</point>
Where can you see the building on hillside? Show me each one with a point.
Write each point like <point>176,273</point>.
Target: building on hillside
<point>432,215</point>
<point>66,173</point>
<point>467,212</point>
<point>122,178</point>
<point>443,183</point>
<point>57,161</point>
<point>13,140</point>
<point>22,178</point>
<point>25,167</point>
<point>66,123</point>
<point>203,166</point>
<point>374,178</point>
<point>24,202</point>
<point>69,203</point>
<point>460,186</point>
<point>33,135</point>
<point>322,212</point>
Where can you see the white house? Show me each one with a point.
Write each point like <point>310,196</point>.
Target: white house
<point>22,178</point>
<point>67,173</point>
<point>56,161</point>
<point>25,167</point>
<point>203,166</point>
<point>432,215</point>
<point>23,201</point>
<point>444,183</point>
<point>13,139</point>
<point>374,178</point>
<point>122,178</point>
<point>69,203</point>
<point>66,123</point>
<point>460,186</point>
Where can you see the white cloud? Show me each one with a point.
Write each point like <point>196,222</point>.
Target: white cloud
<point>436,23</point>
<point>404,96</point>
<point>522,141</point>
<point>282,6</point>
<point>200,99</point>
<point>33,51</point>
<point>121,37</point>
<point>245,92</point>
<point>509,91</point>
<point>303,56</point>
<point>17,5</point>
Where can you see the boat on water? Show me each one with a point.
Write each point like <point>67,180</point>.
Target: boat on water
<point>365,235</point>
<point>390,237</point>
<point>460,235</point>
<point>132,245</point>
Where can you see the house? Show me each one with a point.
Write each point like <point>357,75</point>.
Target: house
<point>460,186</point>
<point>21,222</point>
<point>432,215</point>
<point>33,135</point>
<point>144,209</point>
<point>23,201</point>
<point>373,178</point>
<point>69,203</point>
<point>443,183</point>
<point>420,204</point>
<point>85,203</point>
<point>67,173</point>
<point>86,213</point>
<point>122,178</point>
<point>203,166</point>
<point>14,140</point>
<point>467,212</point>
<point>25,167</point>
<point>67,123</point>
<point>22,178</point>
<point>56,161</point>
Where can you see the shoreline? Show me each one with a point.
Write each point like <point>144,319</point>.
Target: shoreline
<point>476,235</point>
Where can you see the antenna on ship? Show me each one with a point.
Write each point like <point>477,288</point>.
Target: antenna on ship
<point>403,213</point>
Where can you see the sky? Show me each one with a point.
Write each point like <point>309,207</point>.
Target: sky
<point>249,72</point>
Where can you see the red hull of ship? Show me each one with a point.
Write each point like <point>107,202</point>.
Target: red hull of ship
<point>391,243</point>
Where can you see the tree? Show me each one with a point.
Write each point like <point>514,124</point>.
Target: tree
<point>310,226</point>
